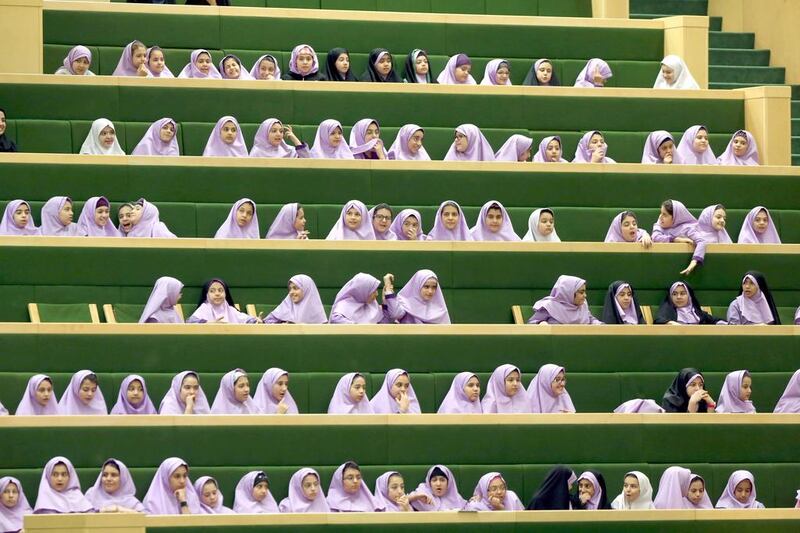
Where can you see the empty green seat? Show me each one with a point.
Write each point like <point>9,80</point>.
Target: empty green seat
<point>81,313</point>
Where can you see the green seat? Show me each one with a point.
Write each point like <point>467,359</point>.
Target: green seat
<point>78,313</point>
<point>123,313</point>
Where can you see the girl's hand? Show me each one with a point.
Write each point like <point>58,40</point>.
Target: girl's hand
<point>403,503</point>
<point>281,408</point>
<point>302,235</point>
<point>379,150</point>
<point>598,155</point>
<point>189,404</point>
<point>584,497</point>
<point>142,71</point>
<point>411,234</point>
<point>689,269</point>
<point>403,402</point>
<point>180,495</point>
<point>684,240</point>
<point>497,503</point>
<point>646,241</point>
<point>388,283</point>
<point>597,77</point>
<point>289,134</point>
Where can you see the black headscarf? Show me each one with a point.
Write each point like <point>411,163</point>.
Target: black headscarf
<point>761,281</point>
<point>676,399</point>
<point>669,313</point>
<point>603,503</point>
<point>531,79</point>
<point>411,66</point>
<point>330,66</point>
<point>611,313</point>
<point>207,285</point>
<point>553,493</point>
<point>6,144</point>
<point>371,74</point>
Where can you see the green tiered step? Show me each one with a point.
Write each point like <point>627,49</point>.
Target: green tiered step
<point>795,124</point>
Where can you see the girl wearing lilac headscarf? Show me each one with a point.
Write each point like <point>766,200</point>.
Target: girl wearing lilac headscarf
<point>676,224</point>
<point>211,498</point>
<point>60,490</point>
<point>304,65</point>
<point>672,488</point>
<point>625,228</point>
<point>464,396</point>
<point>637,493</point>
<point>550,151</point>
<point>354,224</point>
<point>505,392</point>
<point>592,148</point>
<point>380,68</point>
<point>492,494</point>
<point>741,150</point>
<point>160,306</point>
<point>269,141</point>
<point>457,71</point>
<point>226,139</point>
<point>305,494</point>
<point>101,139</point>
<point>17,219</point>
<point>82,396</point>
<point>231,68</point>
<point>697,497</point>
<point>621,305</point>
<point>758,228</point>
<point>154,59</point>
<point>302,304</point>
<point>171,491</point>
<point>735,394</point>
<point>497,72</point>
<point>39,397</point>
<point>694,148</point>
<point>639,405</point>
<point>396,395</point>
<point>242,222</point>
<point>357,302</point>
<point>754,305</point>
<point>592,491</point>
<point>420,301</point>
<point>160,139</point>
<point>594,74</point>
<point>365,141</point>
<point>659,149</point>
<point>493,224</point>
<point>517,148</point>
<point>542,74</point>
<point>13,504</point>
<point>439,492</point>
<point>680,306</point>
<point>133,61</point>
<point>253,495</point>
<point>407,226</point>
<point>789,401</point>
<point>146,222</point>
<point>349,493</point>
<point>740,492</point>
<point>290,223</point>
<point>266,68</point>
<point>450,224</point>
<point>711,225</point>
<point>469,145</point>
<point>133,398</point>
<point>233,396</point>
<point>390,493</point>
<point>57,217</point>
<point>350,396</point>
<point>407,146</point>
<point>272,394</point>
<point>547,391</point>
<point>565,305</point>
<point>77,63</point>
<point>95,219</point>
<point>200,66</point>
<point>329,142</point>
<point>114,490</point>
<point>185,396</point>
<point>216,305</point>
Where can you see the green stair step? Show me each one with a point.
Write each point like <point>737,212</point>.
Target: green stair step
<point>796,108</point>
<point>672,7</point>
<point>795,144</point>
<point>727,39</point>
<point>715,23</point>
<point>732,85</point>
<point>734,56</point>
<point>796,160</point>
<point>795,92</point>
<point>796,130</point>
<point>738,74</point>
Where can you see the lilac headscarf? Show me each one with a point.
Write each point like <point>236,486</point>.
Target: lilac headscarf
<point>654,140</point>
<point>296,501</point>
<point>351,301</point>
<point>172,404</point>
<point>257,64</point>
<point>29,406</point>
<point>514,147</point>
<point>639,406</point>
<point>456,401</point>
<point>244,74</point>
<point>283,225</point>
<point>342,404</point>
<point>728,499</point>
<point>748,235</point>
<point>481,232</point>
<point>450,500</point>
<point>384,403</point>
<point>340,231</point>
<point>160,498</point>
<point>397,224</point>
<point>151,143</point>
<point>586,76</point>
<point>710,234</point>
<point>382,492</point>
<point>789,401</point>
<point>750,157</point>
<point>510,502</point>
<point>125,407</point>
<point>70,500</point>
<point>448,75</point>
<point>441,233</point>
<point>322,148</point>
<point>160,306</point>
<point>51,224</point>
<point>216,147</point>
<point>166,73</point>
<point>87,224</point>
<point>478,148</point>
<point>614,233</point>
<point>682,220</point>
<point>686,152</point>
<point>74,54</point>
<point>245,503</point>
<point>541,395</point>
<point>263,397</point>
<point>7,225</point>
<point>263,148</point>
<point>149,224</point>
<point>219,508</point>
<point>672,489</point>
<point>125,65</point>
<point>559,304</point>
<point>755,309</point>
<point>419,311</point>
<point>293,60</point>
<point>309,310</point>
<point>399,149</point>
<point>71,404</point>
<point>11,518</point>
<point>490,73</point>
<point>357,143</point>
<point>191,70</point>
<point>497,401</point>
<point>541,155</point>
<point>705,500</point>
<point>226,403</point>
<point>583,154</point>
<point>125,495</point>
<point>729,400</point>
<point>230,229</point>
<point>341,501</point>
<point>594,501</point>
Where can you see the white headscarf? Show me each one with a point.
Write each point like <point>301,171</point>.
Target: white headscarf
<point>533,228</point>
<point>645,499</point>
<point>683,78</point>
<point>92,145</point>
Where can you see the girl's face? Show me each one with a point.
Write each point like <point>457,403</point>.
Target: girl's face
<point>373,132</point>
<point>512,383</point>
<point>135,393</point>
<point>358,389</point>
<point>739,145</point>
<point>384,66</point>
<point>596,142</point>
<point>343,64</point>
<point>630,486</point>
<point>497,489</point>
<point>352,218</point>
<point>544,73</point>
<point>400,386</point>
<point>107,136</point>
<point>232,68</point>
<point>502,75</point>
<point>65,215</point>
<point>156,63</point>
<point>696,491</point>
<point>461,142</point>
<point>680,296</point>
<point>630,228</point>
<point>668,74</point>
<point>411,225</point>
<point>335,138</point>
<point>178,478</point>
<point>700,143</point>
<point>260,491</point>
<point>305,62</point>
<point>228,132</point>
<point>421,65</point>
<point>625,297</point>
<point>462,73</point>
<point>80,66</point>
<point>428,289</point>
<point>125,218</point>
<point>586,487</point>
<point>719,220</point>
<point>59,477</point>
<point>210,494</point>
<point>546,223</point>
<point>43,392</point>
<point>216,293</point>
<point>494,219</point>
<point>21,215</point>
<point>761,222</point>
<point>749,288</point>
<point>666,150</point>
<point>696,385</point>
<point>580,296</point>
<point>553,151</point>
<point>310,485</point>
<point>2,122</point>
<point>396,487</point>
<point>244,215</point>
<point>450,217</point>
<point>439,486</point>
<point>266,70</point>
<point>743,490</point>
<point>381,220</point>
<point>241,389</point>
<point>10,496</point>
<point>559,383</point>
<point>138,55</point>
<point>665,220</point>
<point>472,389</point>
<point>87,391</point>
<point>203,63</point>
<point>110,478</point>
<point>275,135</point>
<point>415,141</point>
<point>746,390</point>
<point>167,132</point>
<point>352,480</point>
<point>295,293</point>
<point>280,387</point>
<point>300,220</point>
<point>190,385</point>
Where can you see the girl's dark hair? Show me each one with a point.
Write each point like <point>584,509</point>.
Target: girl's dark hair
<point>720,206</point>
<point>453,204</point>
<point>190,374</point>
<point>626,214</point>
<point>698,478</point>
<point>207,285</point>
<point>382,206</point>
<point>126,204</point>
<point>494,205</point>
<point>91,378</point>
<point>351,464</point>
<point>667,205</point>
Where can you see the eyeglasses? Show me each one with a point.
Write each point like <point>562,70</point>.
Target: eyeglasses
<point>383,217</point>
<point>560,380</point>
